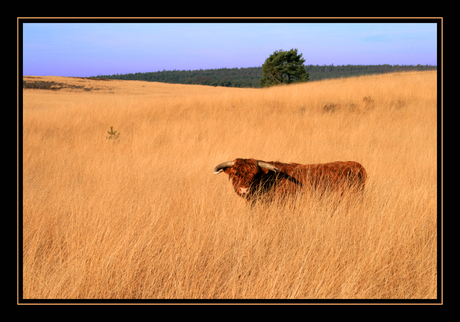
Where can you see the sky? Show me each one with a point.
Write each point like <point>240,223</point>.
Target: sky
<point>91,49</point>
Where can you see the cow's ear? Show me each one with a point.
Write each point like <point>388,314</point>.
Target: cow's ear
<point>264,170</point>
<point>228,170</point>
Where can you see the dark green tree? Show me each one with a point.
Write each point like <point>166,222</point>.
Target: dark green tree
<point>283,67</point>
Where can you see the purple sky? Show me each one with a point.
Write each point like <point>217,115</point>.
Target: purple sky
<point>90,49</point>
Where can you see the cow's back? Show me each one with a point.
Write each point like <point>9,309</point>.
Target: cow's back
<point>338,175</point>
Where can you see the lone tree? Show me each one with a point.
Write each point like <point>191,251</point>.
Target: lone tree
<point>283,67</point>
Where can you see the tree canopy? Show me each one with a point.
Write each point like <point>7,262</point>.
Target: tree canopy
<point>283,67</point>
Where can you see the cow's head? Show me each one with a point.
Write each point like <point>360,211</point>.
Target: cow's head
<point>245,174</point>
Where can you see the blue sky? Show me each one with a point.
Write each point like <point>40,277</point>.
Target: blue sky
<point>90,49</point>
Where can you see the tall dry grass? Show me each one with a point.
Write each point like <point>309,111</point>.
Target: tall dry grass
<point>143,216</point>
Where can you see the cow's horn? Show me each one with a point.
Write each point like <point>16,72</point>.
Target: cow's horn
<point>268,166</point>
<point>222,166</point>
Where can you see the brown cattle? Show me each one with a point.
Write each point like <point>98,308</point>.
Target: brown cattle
<point>255,179</point>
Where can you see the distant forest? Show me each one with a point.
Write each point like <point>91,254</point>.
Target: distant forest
<point>249,77</point>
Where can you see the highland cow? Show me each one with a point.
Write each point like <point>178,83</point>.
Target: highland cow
<point>260,180</point>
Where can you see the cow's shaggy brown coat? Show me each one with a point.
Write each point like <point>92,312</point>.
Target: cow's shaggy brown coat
<point>252,181</point>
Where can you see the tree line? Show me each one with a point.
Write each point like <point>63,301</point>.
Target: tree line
<point>249,77</point>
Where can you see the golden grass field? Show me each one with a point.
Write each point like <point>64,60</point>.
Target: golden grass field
<point>144,217</point>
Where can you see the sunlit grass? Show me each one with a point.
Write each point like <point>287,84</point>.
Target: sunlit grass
<point>143,215</point>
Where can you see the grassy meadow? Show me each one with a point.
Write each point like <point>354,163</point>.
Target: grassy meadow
<point>142,216</point>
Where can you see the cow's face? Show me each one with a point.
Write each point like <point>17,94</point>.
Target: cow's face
<point>243,175</point>
<point>246,174</point>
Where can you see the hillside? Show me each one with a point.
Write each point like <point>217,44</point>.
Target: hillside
<point>249,77</point>
<point>141,215</point>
